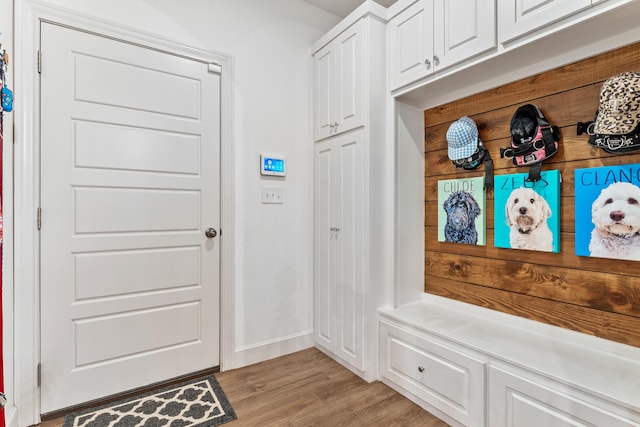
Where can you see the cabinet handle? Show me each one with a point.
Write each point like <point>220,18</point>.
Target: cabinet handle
<point>427,63</point>
<point>420,368</point>
<point>436,60</point>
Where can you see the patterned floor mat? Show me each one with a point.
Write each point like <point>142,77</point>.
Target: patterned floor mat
<point>197,403</point>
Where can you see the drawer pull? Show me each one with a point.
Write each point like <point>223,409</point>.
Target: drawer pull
<point>420,368</point>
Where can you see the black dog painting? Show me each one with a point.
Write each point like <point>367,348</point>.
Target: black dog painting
<point>462,210</point>
<point>461,219</point>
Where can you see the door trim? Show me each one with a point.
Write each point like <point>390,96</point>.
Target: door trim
<point>25,237</point>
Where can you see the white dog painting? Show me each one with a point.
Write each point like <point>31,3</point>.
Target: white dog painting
<point>615,214</point>
<point>527,213</point>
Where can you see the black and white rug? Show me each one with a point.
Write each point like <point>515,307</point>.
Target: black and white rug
<point>197,403</point>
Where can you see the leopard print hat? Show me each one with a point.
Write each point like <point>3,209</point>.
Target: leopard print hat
<point>619,107</point>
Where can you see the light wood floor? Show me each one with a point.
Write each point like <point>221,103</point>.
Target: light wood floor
<point>309,389</point>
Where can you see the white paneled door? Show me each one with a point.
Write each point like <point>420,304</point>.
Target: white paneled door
<point>130,142</point>
<point>340,200</point>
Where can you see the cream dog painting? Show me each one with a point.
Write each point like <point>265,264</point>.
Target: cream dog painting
<point>527,213</point>
<point>615,214</point>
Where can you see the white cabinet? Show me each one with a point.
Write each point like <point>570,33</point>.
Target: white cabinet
<point>442,375</point>
<point>411,44</point>
<point>431,35</point>
<point>521,399</point>
<point>517,17</point>
<point>452,359</point>
<point>339,246</point>
<point>338,84</point>
<point>347,212</point>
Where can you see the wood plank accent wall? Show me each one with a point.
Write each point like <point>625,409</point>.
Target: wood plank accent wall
<point>596,296</point>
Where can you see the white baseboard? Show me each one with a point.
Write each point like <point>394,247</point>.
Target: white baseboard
<point>271,349</point>
<point>421,403</point>
<point>369,376</point>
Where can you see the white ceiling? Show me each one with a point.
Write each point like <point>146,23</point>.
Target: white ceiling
<point>342,8</point>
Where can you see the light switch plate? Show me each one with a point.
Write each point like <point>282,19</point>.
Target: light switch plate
<point>272,195</point>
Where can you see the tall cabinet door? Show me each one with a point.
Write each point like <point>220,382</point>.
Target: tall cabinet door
<point>350,249</point>
<point>324,241</point>
<point>340,222</point>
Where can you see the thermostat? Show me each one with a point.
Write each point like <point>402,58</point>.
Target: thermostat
<point>272,165</point>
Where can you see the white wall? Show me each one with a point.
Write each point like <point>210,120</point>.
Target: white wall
<point>269,42</point>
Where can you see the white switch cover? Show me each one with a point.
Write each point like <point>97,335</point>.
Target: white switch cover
<point>272,195</point>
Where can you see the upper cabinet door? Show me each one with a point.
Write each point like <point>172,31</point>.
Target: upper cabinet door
<point>339,83</point>
<point>349,111</point>
<point>323,91</point>
<point>463,29</point>
<point>411,44</point>
<point>431,35</point>
<point>520,17</point>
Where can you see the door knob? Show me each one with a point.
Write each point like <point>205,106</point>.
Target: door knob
<point>211,233</point>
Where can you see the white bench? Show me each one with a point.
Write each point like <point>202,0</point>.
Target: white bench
<point>477,367</point>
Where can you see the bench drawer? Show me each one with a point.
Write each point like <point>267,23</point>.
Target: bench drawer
<point>522,399</point>
<point>445,376</point>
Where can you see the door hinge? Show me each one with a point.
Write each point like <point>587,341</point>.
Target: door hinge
<point>39,369</point>
<point>39,61</point>
<point>212,67</point>
<point>39,218</point>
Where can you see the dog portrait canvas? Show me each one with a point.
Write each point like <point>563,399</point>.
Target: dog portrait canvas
<point>527,214</point>
<point>607,217</point>
<point>462,213</point>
